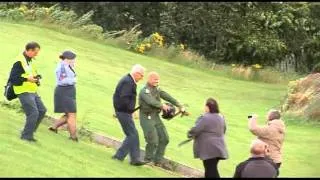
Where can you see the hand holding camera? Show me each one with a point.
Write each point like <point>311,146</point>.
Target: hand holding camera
<point>38,77</point>
<point>35,79</point>
<point>32,79</point>
<point>253,116</point>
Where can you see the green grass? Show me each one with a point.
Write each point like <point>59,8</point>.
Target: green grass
<point>99,67</point>
<point>56,156</point>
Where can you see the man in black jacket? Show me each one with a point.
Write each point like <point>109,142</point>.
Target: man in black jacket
<point>259,165</point>
<point>124,101</point>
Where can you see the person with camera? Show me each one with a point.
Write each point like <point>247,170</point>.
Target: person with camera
<point>155,132</point>
<point>65,94</point>
<point>26,80</point>
<point>258,165</point>
<point>273,134</point>
<point>124,102</point>
<point>208,134</point>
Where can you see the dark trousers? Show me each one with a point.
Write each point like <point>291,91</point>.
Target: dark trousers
<point>131,142</point>
<point>34,110</point>
<point>278,168</point>
<point>211,168</point>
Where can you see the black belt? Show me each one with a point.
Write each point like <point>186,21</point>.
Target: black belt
<point>65,85</point>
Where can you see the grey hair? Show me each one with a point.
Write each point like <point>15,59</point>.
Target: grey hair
<point>137,68</point>
<point>274,114</point>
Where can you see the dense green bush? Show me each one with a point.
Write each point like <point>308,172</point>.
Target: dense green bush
<point>15,14</point>
<point>92,30</point>
<point>63,17</point>
<point>84,20</point>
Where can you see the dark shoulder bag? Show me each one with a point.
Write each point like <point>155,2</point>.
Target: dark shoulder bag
<point>9,92</point>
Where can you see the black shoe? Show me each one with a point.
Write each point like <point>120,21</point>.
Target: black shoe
<point>30,140</point>
<point>53,130</point>
<point>115,158</point>
<point>138,163</point>
<point>74,139</point>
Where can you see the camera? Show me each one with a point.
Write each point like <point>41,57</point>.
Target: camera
<point>250,116</point>
<point>38,77</point>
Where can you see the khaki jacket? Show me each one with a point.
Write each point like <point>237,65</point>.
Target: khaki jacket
<point>273,134</point>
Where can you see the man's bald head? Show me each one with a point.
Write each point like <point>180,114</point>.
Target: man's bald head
<point>153,79</point>
<point>258,148</point>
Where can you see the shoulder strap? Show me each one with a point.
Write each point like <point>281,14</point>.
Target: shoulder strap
<point>72,70</point>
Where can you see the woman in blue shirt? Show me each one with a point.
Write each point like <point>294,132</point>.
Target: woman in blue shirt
<point>65,94</point>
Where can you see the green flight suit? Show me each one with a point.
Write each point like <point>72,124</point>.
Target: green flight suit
<point>155,132</point>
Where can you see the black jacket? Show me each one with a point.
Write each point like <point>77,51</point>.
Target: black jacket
<point>256,167</point>
<point>124,98</point>
<point>16,72</point>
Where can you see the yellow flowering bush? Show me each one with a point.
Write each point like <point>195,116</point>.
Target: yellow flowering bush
<point>257,66</point>
<point>154,40</point>
<point>182,46</point>
<point>23,8</point>
<point>140,48</point>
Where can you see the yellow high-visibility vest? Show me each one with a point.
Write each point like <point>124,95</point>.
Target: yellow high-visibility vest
<point>26,86</point>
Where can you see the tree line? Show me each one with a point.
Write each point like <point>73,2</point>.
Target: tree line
<point>266,33</point>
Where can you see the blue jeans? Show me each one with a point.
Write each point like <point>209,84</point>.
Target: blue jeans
<point>34,110</point>
<point>131,142</point>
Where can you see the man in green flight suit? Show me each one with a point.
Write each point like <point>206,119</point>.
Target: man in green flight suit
<point>155,132</point>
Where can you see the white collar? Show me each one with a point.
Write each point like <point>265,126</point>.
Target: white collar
<point>133,78</point>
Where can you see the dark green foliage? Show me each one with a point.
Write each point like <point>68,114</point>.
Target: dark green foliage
<point>245,33</point>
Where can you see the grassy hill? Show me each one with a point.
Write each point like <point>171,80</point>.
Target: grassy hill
<point>56,156</point>
<point>99,67</point>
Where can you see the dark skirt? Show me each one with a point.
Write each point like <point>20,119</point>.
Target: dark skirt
<point>65,99</point>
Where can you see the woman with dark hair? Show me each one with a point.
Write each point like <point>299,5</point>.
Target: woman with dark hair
<point>208,134</point>
<point>65,94</point>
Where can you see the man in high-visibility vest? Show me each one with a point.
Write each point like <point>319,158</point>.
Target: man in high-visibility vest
<point>25,82</point>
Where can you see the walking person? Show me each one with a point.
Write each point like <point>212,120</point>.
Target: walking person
<point>208,134</point>
<point>124,101</point>
<point>26,80</point>
<point>65,94</point>
<point>154,130</point>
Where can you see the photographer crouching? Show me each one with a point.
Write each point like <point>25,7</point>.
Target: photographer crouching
<point>272,134</point>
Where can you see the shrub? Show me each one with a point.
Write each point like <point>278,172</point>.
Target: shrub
<point>146,44</point>
<point>312,111</point>
<point>84,20</point>
<point>62,17</point>
<point>316,68</point>
<point>126,39</point>
<point>15,14</point>
<point>3,13</point>
<point>92,30</point>
<point>41,13</point>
